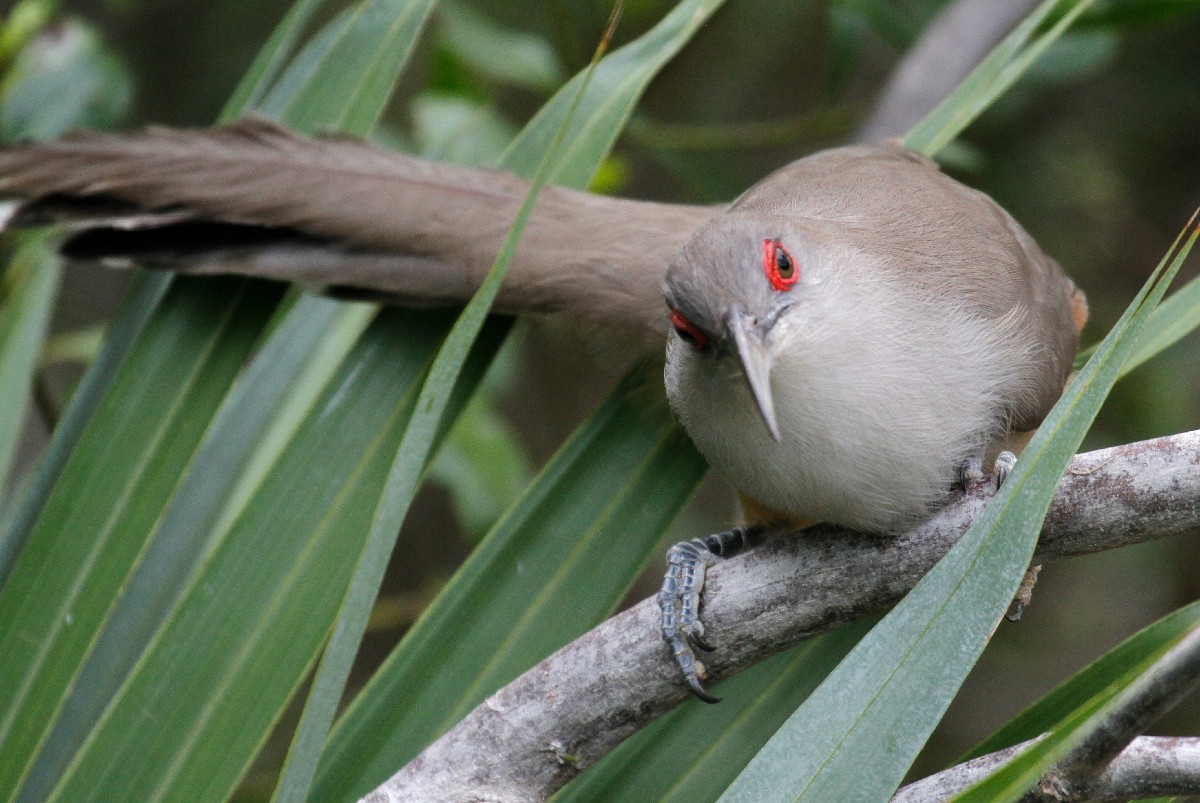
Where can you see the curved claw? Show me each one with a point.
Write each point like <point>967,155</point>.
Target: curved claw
<point>691,669</point>
<point>1005,461</point>
<point>698,690</point>
<point>679,598</point>
<point>969,470</point>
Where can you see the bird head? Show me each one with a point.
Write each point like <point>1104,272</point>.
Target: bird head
<point>733,288</point>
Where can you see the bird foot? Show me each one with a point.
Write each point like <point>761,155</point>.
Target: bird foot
<point>970,470</point>
<point>1005,461</point>
<point>679,599</point>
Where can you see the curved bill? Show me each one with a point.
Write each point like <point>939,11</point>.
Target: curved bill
<point>756,365</point>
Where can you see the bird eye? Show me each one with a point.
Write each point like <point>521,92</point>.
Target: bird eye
<point>781,269</point>
<point>687,330</point>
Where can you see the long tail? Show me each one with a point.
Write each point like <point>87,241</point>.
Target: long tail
<point>254,198</point>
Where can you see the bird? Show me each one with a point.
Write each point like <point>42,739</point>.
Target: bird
<point>844,342</point>
<point>853,335</point>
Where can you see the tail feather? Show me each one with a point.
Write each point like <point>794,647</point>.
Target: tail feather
<point>255,198</point>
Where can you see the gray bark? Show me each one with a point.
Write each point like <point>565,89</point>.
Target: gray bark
<point>1151,766</point>
<point>589,696</point>
<point>953,44</point>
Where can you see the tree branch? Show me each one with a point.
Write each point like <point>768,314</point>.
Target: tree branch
<point>534,735</point>
<point>1149,767</point>
<point>1155,692</point>
<point>953,44</point>
<point>1104,766</point>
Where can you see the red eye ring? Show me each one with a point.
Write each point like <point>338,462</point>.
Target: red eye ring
<point>782,271</point>
<point>687,330</point>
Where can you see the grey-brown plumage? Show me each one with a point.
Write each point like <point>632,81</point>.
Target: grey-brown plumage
<point>850,332</point>
<point>924,328</point>
<point>847,334</point>
<point>922,306</point>
<point>410,230</point>
<point>945,238</point>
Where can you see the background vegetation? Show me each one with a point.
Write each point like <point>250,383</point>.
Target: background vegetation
<point>1094,152</point>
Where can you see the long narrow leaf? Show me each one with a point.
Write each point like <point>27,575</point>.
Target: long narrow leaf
<point>360,754</point>
<point>1174,319</point>
<point>139,608</point>
<point>612,93</point>
<point>399,490</point>
<point>140,302</point>
<point>1011,781</point>
<point>27,290</point>
<point>695,751</point>
<point>368,46</point>
<point>94,528</point>
<point>1071,711</point>
<point>95,85</point>
<point>188,721</point>
<point>269,61</point>
<point>545,572</point>
<point>995,74</point>
<point>255,422</point>
<point>863,727</point>
<point>1110,671</point>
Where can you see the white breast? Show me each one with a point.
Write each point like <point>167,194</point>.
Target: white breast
<point>878,399</point>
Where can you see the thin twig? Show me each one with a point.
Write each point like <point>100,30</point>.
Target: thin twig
<point>1155,692</point>
<point>1104,761</point>
<point>1151,766</point>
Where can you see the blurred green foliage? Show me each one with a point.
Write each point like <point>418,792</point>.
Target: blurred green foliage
<point>1094,152</point>
<point>89,84</point>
